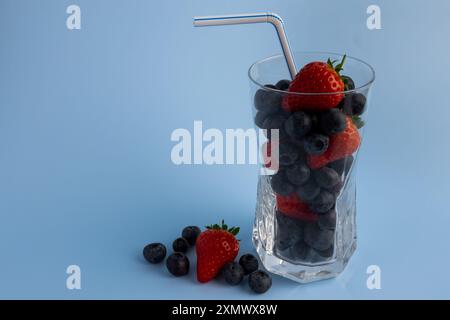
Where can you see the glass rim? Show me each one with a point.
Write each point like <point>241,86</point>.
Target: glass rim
<point>356,89</point>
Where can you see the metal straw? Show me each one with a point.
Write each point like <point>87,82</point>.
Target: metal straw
<point>271,18</point>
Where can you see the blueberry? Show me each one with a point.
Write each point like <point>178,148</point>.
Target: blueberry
<point>346,104</point>
<point>354,104</point>
<point>267,100</point>
<point>283,84</point>
<point>299,251</point>
<point>298,125</point>
<point>288,154</point>
<point>328,221</point>
<point>332,121</point>
<point>260,116</point>
<point>283,242</point>
<point>154,252</point>
<point>336,189</point>
<point>288,224</point>
<point>326,177</point>
<point>358,104</point>
<point>191,234</point>
<point>233,273</point>
<point>259,281</point>
<point>308,191</point>
<point>314,256</point>
<point>317,238</point>
<point>298,174</point>
<point>341,165</point>
<point>316,143</point>
<point>348,82</point>
<point>323,203</point>
<point>275,121</point>
<point>249,263</point>
<point>180,245</point>
<point>177,264</point>
<point>280,184</point>
<point>338,166</point>
<point>288,231</point>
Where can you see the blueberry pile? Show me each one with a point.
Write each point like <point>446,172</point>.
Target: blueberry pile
<point>177,263</point>
<point>301,241</point>
<point>303,134</point>
<point>258,280</point>
<point>233,273</point>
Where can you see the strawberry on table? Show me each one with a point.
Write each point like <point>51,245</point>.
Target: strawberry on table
<point>340,146</point>
<point>316,77</point>
<point>215,247</point>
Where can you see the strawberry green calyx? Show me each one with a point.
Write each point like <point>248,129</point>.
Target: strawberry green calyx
<point>233,230</point>
<point>339,67</point>
<point>358,122</point>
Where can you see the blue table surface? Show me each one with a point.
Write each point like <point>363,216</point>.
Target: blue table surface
<point>85,124</point>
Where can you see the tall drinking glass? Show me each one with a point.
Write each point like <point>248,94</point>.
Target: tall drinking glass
<point>305,225</point>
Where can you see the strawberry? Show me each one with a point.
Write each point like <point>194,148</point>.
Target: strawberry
<point>316,77</point>
<point>215,247</point>
<point>341,145</point>
<point>293,207</point>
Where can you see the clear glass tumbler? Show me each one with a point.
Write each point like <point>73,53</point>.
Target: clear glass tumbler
<point>305,226</point>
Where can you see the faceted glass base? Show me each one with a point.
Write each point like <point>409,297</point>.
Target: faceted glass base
<point>306,270</point>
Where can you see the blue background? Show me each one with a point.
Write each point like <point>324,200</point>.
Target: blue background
<point>85,123</point>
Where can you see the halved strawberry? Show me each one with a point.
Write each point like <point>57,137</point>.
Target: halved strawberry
<point>340,146</point>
